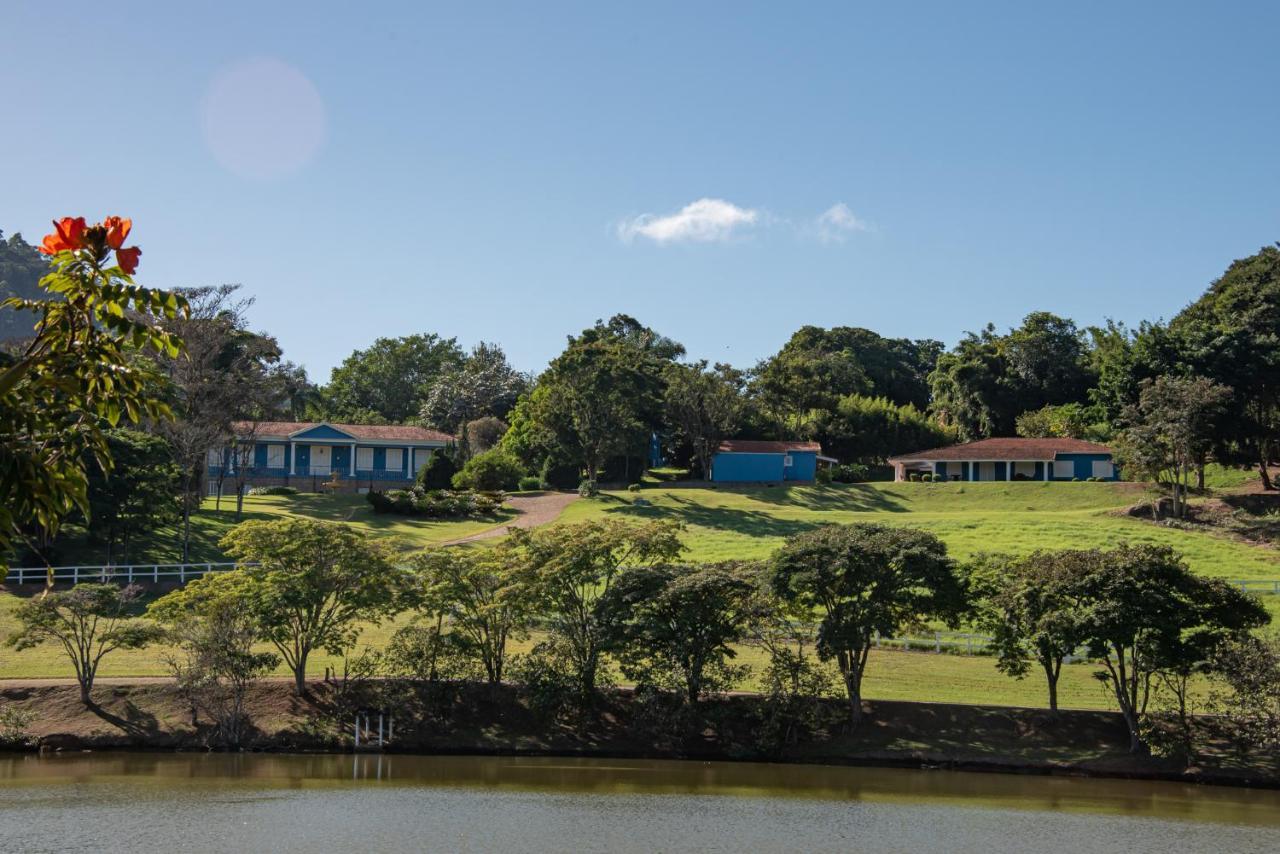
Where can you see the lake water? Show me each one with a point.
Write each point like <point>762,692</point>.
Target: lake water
<point>262,802</point>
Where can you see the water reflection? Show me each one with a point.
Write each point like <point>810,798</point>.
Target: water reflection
<point>655,777</point>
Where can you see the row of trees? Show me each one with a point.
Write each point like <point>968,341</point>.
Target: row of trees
<point>608,593</point>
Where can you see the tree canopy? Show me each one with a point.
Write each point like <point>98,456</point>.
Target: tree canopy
<point>388,382</point>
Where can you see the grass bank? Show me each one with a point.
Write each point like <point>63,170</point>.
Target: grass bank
<point>478,719</point>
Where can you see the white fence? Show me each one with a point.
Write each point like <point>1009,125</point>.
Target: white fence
<point>1257,585</point>
<point>153,572</point>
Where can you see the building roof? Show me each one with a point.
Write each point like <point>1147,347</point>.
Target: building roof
<point>1006,449</point>
<point>752,446</point>
<point>371,432</point>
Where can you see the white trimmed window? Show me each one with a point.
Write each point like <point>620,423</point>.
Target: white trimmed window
<point>1064,468</point>
<point>364,459</point>
<point>420,459</point>
<point>215,456</point>
<point>1025,469</point>
<point>787,461</point>
<point>1103,468</point>
<point>275,456</point>
<point>394,460</point>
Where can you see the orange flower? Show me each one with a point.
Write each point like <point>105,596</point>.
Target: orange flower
<point>128,259</point>
<point>68,234</point>
<point>117,230</point>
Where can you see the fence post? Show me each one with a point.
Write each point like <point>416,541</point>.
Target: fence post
<point>969,641</point>
<point>182,573</point>
<point>937,642</point>
<point>155,574</point>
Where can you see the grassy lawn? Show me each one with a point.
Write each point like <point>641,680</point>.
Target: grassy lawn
<point>892,675</point>
<point>748,523</point>
<point>164,545</point>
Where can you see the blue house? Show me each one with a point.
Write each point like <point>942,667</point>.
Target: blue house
<point>1011,459</point>
<point>749,461</point>
<point>304,454</point>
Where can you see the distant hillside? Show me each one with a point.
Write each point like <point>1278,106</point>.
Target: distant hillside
<point>21,268</point>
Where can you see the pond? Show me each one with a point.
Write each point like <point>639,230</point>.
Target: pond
<point>156,802</point>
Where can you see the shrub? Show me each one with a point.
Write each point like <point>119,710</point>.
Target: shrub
<point>273,490</point>
<point>588,489</point>
<point>435,503</point>
<point>438,472</point>
<point>850,473</point>
<point>635,487</point>
<point>530,483</point>
<point>545,674</point>
<point>492,470</point>
<point>13,727</point>
<point>823,476</point>
<point>558,475</point>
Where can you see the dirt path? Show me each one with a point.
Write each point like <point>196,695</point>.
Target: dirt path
<point>531,511</point>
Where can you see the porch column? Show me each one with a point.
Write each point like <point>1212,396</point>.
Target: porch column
<point>1048,464</point>
<point>353,459</point>
<point>1008,470</point>
<point>293,457</point>
<point>973,470</point>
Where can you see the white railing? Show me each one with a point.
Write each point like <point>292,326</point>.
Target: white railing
<point>153,572</point>
<point>1257,585</point>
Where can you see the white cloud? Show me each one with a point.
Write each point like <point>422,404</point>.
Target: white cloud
<point>703,221</point>
<point>836,223</point>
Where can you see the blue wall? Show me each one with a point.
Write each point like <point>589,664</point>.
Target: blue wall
<point>746,468</point>
<point>1083,468</point>
<point>763,468</point>
<point>804,466</point>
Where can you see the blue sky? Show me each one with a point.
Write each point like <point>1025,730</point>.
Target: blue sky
<point>511,172</point>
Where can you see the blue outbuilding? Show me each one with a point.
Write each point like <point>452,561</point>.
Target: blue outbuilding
<point>750,461</point>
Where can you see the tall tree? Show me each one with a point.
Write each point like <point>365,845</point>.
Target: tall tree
<point>77,374</point>
<point>1232,335</point>
<point>89,622</point>
<point>1028,605</point>
<point>473,590</point>
<point>1172,429</point>
<point>1138,606</point>
<point>566,570</point>
<point>312,585</point>
<point>141,491</point>
<point>872,429</point>
<point>983,384</point>
<point>224,375</point>
<point>674,626</point>
<point>391,378</point>
<point>860,580</point>
<point>817,367</point>
<point>482,384</point>
<point>704,406</point>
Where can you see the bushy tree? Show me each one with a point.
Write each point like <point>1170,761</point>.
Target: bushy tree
<point>1171,430</point>
<point>817,367</point>
<point>482,384</point>
<point>1142,612</point>
<point>484,434</point>
<point>438,472</point>
<point>214,660</point>
<point>391,378</point>
<point>488,472</point>
<point>1249,669</point>
<point>1066,421</point>
<point>89,622</point>
<point>565,571</point>
<point>869,430</point>
<point>673,627</point>
<point>703,407</point>
<point>139,493</point>
<point>473,592</point>
<point>1029,606</point>
<point>859,580</point>
<point>312,585</point>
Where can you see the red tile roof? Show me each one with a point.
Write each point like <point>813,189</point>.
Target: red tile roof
<point>752,446</point>
<point>372,432</point>
<point>1007,449</point>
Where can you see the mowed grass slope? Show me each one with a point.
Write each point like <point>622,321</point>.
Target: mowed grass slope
<point>743,523</point>
<point>748,523</point>
<point>164,545</point>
